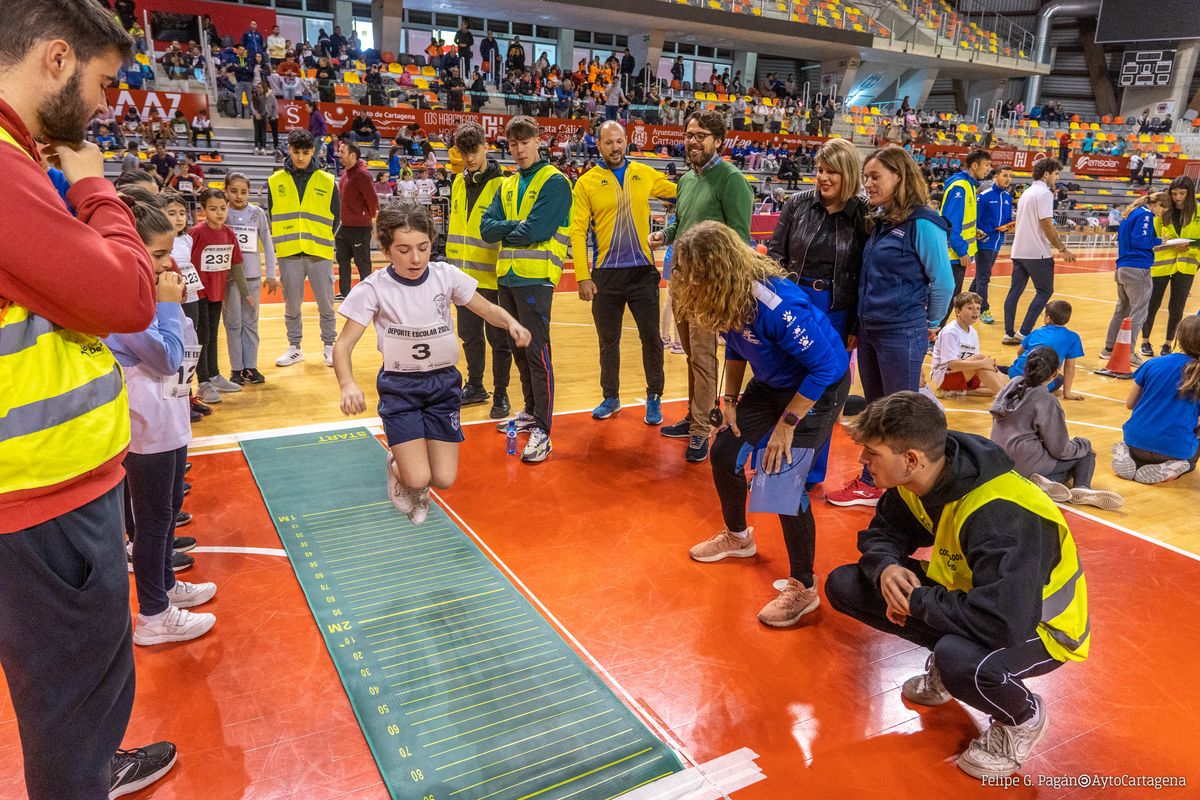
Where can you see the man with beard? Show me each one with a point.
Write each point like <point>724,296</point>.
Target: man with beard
<point>65,629</point>
<point>712,189</point>
<point>614,201</point>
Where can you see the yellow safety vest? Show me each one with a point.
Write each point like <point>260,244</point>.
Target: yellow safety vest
<point>541,259</point>
<point>302,226</point>
<point>1168,262</point>
<point>63,407</point>
<point>1064,628</point>
<point>968,220</point>
<point>464,247</point>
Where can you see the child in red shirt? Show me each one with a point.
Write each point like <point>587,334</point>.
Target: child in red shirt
<point>216,256</point>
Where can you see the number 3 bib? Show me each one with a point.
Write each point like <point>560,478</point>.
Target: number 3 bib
<point>419,349</point>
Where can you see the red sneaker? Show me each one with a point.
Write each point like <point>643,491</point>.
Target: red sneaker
<point>855,493</point>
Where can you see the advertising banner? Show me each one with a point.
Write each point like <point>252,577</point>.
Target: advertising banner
<point>167,103</point>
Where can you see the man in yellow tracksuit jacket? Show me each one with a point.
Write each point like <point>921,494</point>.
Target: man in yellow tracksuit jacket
<point>613,202</point>
<point>1003,597</point>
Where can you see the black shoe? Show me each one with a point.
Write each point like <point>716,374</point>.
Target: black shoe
<point>136,769</point>
<point>474,395</point>
<point>1166,350</point>
<point>182,519</point>
<point>181,562</point>
<point>187,487</point>
<point>187,467</point>
<point>203,408</point>
<point>253,376</point>
<point>196,416</point>
<point>500,407</point>
<point>339,297</point>
<point>238,378</point>
<point>1147,350</point>
<point>680,430</point>
<point>183,544</point>
<point>697,450</point>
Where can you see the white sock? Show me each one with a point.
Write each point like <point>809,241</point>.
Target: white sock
<point>742,534</point>
<point>156,618</point>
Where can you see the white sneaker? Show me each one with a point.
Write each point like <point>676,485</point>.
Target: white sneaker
<point>538,447</point>
<point>420,505</point>
<point>1057,492</point>
<point>293,356</point>
<point>188,595</point>
<point>400,495</point>
<point>223,384</point>
<point>1109,501</point>
<point>525,423</point>
<point>1001,750</point>
<point>208,394</point>
<point>1122,462</point>
<point>1161,473</point>
<point>176,625</point>
<point>926,689</point>
<point>329,355</point>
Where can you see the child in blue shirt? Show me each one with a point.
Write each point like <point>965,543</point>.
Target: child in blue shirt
<point>1136,241</point>
<point>1161,440</point>
<point>1054,334</point>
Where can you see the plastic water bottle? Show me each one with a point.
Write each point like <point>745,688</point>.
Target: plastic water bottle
<point>510,438</point>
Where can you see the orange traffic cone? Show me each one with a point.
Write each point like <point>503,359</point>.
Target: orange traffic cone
<point>1118,364</point>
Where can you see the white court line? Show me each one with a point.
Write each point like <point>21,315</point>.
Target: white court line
<point>1110,301</point>
<point>252,551</point>
<point>1129,531</point>
<point>1100,396</point>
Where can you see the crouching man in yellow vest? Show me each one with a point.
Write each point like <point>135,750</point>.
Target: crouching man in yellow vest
<point>471,194</point>
<point>1003,597</point>
<point>530,219</point>
<point>303,203</point>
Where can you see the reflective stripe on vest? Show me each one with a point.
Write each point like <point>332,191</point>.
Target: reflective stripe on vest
<point>465,248</point>
<point>302,225</point>
<point>63,407</point>
<point>968,219</point>
<point>1168,262</point>
<point>1064,627</point>
<point>540,260</point>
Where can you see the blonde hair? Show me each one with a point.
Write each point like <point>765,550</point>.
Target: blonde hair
<point>840,156</point>
<point>713,277</point>
<point>911,191</point>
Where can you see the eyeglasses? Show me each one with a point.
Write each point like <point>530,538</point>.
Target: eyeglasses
<point>696,137</point>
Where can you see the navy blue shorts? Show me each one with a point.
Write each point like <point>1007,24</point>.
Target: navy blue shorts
<point>420,405</point>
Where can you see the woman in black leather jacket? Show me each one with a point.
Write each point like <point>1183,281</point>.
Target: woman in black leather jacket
<point>819,241</point>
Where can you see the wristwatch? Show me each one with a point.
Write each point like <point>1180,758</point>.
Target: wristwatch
<point>791,418</point>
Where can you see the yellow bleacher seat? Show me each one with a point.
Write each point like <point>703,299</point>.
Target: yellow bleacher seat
<point>1074,126</point>
<point>361,66</point>
<point>428,71</point>
<point>142,59</point>
<point>396,69</point>
<point>350,77</point>
<point>421,83</point>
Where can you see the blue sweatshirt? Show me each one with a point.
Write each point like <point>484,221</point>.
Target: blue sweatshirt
<point>789,344</point>
<point>1136,239</point>
<point>953,206</point>
<point>995,209</point>
<point>160,347</point>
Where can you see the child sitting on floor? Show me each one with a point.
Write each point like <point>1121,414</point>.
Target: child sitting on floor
<point>1054,334</point>
<point>958,366</point>
<point>1028,422</point>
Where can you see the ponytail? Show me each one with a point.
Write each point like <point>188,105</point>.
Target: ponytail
<point>1189,343</point>
<point>1041,364</point>
<point>147,209</point>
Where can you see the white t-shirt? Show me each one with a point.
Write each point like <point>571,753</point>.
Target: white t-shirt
<point>413,325</point>
<point>181,252</point>
<point>407,189</point>
<point>426,189</point>
<point>1036,204</point>
<point>952,343</point>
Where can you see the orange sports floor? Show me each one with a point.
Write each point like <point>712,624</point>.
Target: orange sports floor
<point>599,534</point>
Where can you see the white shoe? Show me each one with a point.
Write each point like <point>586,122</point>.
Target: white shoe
<point>293,356</point>
<point>1057,492</point>
<point>1122,462</point>
<point>329,355</point>
<point>1001,750</point>
<point>400,495</point>
<point>420,505</point>
<point>188,595</point>
<point>538,447</point>
<point>209,394</point>
<point>1109,501</point>
<point>1161,473</point>
<point>176,625</point>
<point>223,384</point>
<point>926,689</point>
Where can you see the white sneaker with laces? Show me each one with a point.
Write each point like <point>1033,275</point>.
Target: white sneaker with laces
<point>208,394</point>
<point>329,355</point>
<point>1122,462</point>
<point>538,447</point>
<point>1002,749</point>
<point>525,423</point>
<point>175,625</point>
<point>223,384</point>
<point>188,595</point>
<point>926,689</point>
<point>420,505</point>
<point>401,497</point>
<point>293,355</point>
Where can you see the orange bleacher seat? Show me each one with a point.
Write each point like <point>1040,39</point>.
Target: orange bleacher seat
<point>311,74</point>
<point>341,90</point>
<point>1106,120</point>
<point>412,69</point>
<point>387,56</point>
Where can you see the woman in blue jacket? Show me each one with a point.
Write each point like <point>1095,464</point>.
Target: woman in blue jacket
<point>903,292</point>
<point>788,409</point>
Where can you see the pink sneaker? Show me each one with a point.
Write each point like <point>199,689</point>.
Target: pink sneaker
<point>725,545</point>
<point>855,493</point>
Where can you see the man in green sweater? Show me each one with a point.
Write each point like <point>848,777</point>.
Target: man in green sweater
<point>712,189</point>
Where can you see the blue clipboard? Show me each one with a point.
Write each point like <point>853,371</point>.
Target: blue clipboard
<point>782,492</point>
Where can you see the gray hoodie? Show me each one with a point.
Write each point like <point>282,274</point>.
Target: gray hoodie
<point>1030,425</point>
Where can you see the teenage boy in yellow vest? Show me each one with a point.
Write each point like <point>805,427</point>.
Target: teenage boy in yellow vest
<point>305,211</point>
<point>529,218</point>
<point>1003,598</point>
<point>65,633</point>
<point>471,194</point>
<point>960,208</point>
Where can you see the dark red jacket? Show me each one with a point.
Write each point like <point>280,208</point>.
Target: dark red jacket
<point>89,273</point>
<point>360,204</point>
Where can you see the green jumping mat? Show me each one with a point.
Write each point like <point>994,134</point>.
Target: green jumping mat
<point>463,690</point>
